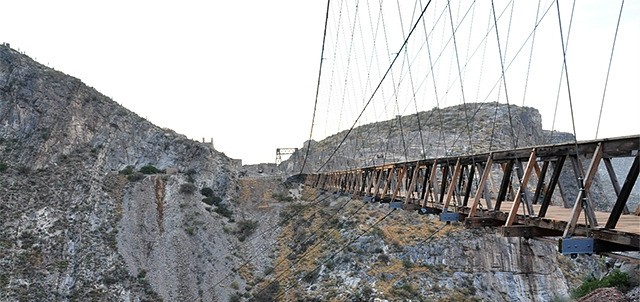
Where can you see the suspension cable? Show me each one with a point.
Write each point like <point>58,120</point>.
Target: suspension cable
<point>566,72</point>
<point>377,88</point>
<point>535,27</point>
<point>504,79</point>
<point>315,104</point>
<point>615,37</point>
<point>565,48</point>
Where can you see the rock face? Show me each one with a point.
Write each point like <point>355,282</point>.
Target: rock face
<point>342,250</point>
<point>73,227</point>
<point>435,133</point>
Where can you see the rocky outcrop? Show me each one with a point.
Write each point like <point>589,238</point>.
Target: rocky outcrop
<point>456,130</point>
<point>341,249</point>
<point>73,227</point>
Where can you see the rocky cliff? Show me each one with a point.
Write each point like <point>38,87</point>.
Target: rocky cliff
<point>435,133</point>
<point>344,250</point>
<point>79,218</point>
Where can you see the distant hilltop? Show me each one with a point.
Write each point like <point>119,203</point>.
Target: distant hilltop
<point>438,132</point>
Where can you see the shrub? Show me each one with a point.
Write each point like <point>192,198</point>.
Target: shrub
<point>245,229</point>
<point>213,200</point>
<point>135,176</point>
<point>190,173</point>
<point>3,167</point>
<point>268,293</point>
<point>128,170</point>
<point>235,285</point>
<point>149,169</point>
<point>208,192</point>
<point>616,279</point>
<point>223,210</point>
<point>190,230</point>
<point>281,197</point>
<point>187,188</point>
<point>236,297</point>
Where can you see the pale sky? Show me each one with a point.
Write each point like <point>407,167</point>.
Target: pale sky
<point>244,72</point>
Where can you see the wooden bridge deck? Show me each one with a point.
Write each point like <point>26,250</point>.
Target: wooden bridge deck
<point>450,183</point>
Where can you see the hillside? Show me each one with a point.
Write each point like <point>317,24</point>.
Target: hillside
<point>78,219</point>
<point>435,133</point>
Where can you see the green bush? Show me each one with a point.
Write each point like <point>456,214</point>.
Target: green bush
<point>187,188</point>
<point>223,210</point>
<point>149,169</point>
<point>281,197</point>
<point>208,192</point>
<point>3,167</point>
<point>213,200</point>
<point>616,278</point>
<point>236,297</point>
<point>245,229</point>
<point>128,170</point>
<point>190,173</point>
<point>135,176</point>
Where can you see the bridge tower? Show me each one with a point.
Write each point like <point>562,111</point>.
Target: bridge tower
<point>283,151</point>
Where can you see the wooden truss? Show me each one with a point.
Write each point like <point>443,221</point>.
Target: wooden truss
<point>533,199</point>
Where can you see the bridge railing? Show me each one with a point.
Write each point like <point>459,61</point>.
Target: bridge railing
<point>515,189</point>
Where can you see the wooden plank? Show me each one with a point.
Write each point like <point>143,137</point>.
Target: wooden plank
<point>481,187</point>
<point>387,183</point>
<point>467,190</point>
<point>506,182</point>
<point>523,186</point>
<point>401,173</point>
<point>412,184</point>
<point>541,180</point>
<point>581,203</point>
<point>614,180</point>
<point>378,177</point>
<point>443,184</point>
<point>557,170</point>
<point>452,185</point>
<point>432,182</point>
<point>527,231</point>
<point>621,201</point>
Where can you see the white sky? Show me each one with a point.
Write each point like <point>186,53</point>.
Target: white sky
<point>244,72</point>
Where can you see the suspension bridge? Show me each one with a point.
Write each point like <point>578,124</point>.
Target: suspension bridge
<point>382,60</point>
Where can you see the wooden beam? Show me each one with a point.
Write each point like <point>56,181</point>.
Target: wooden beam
<point>387,183</point>
<point>452,185</point>
<point>412,184</point>
<point>541,180</point>
<point>557,170</point>
<point>583,203</point>
<point>528,231</point>
<point>481,187</point>
<point>376,183</point>
<point>621,201</point>
<point>614,180</point>
<point>443,185</point>
<point>467,190</point>
<point>506,182</point>
<point>432,182</point>
<point>523,186</point>
<point>401,173</point>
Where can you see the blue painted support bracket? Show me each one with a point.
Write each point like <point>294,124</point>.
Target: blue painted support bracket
<point>579,245</point>
<point>396,205</point>
<point>450,217</point>
<point>368,199</point>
